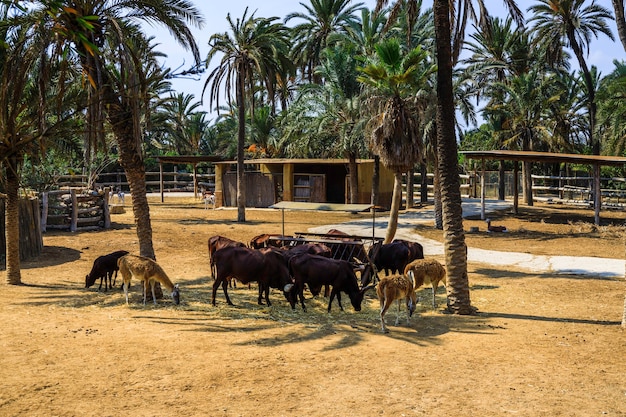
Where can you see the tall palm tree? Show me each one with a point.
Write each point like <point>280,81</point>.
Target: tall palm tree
<point>255,50</point>
<point>447,25</point>
<point>620,20</point>
<point>324,18</point>
<point>32,111</point>
<point>394,80</point>
<point>111,49</point>
<point>570,23</point>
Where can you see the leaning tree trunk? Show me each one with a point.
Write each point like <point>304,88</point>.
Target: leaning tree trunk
<point>396,199</point>
<point>12,223</point>
<point>241,138</point>
<point>454,236</point>
<point>131,159</point>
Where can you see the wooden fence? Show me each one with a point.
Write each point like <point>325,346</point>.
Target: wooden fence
<point>31,242</point>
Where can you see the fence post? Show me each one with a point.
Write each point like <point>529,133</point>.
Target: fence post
<point>44,211</point>
<point>74,221</point>
<point>105,208</point>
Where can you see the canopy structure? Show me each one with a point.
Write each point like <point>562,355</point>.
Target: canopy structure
<point>596,161</point>
<point>184,159</point>
<point>299,205</point>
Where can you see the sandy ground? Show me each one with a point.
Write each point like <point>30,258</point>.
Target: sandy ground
<point>540,345</point>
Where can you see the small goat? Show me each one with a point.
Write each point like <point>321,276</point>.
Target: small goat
<point>103,267</point>
<point>148,271</point>
<point>426,271</point>
<point>392,288</point>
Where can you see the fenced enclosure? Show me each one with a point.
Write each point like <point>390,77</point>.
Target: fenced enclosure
<point>31,242</point>
<point>73,210</point>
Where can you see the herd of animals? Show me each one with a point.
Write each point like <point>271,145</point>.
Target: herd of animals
<point>291,269</point>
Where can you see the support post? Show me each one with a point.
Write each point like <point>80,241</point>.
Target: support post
<point>161,179</point>
<point>597,195</point>
<point>482,190</point>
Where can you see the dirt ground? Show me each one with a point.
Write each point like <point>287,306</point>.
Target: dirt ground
<point>540,345</point>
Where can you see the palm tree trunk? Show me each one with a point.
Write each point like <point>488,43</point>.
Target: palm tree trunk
<point>241,139</point>
<point>454,236</point>
<point>437,200</point>
<point>618,5</point>
<point>12,223</point>
<point>410,185</point>
<point>424,183</point>
<point>376,181</point>
<point>353,178</point>
<point>396,199</point>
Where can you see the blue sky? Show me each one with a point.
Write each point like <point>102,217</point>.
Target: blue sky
<point>602,52</point>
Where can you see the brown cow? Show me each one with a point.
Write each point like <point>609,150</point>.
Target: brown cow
<point>315,271</point>
<point>265,266</point>
<point>218,242</point>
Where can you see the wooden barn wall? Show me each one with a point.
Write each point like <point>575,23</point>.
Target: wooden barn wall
<point>31,242</point>
<point>259,189</point>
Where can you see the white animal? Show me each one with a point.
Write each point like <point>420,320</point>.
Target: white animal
<point>209,199</point>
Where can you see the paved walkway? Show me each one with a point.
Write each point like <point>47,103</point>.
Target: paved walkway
<point>576,265</point>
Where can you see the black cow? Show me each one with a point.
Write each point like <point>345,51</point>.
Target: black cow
<point>265,266</point>
<point>315,271</point>
<point>103,267</point>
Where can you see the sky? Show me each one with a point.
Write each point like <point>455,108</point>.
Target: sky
<point>602,51</point>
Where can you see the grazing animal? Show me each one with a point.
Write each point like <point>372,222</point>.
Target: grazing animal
<point>148,271</point>
<point>416,251</point>
<point>315,271</point>
<point>218,242</point>
<point>314,249</point>
<point>389,257</point>
<point>491,228</point>
<point>265,266</point>
<point>103,267</point>
<point>264,240</point>
<point>426,271</point>
<point>396,288</point>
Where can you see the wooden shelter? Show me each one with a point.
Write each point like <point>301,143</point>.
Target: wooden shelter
<point>269,181</point>
<point>596,161</point>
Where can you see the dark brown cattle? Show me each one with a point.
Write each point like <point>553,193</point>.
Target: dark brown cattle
<point>315,271</point>
<point>416,251</point>
<point>313,249</point>
<point>218,242</point>
<point>265,266</point>
<point>103,267</point>
<point>387,257</point>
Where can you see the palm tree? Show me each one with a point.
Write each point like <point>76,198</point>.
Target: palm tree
<point>620,20</point>
<point>394,80</point>
<point>324,18</point>
<point>33,112</point>
<point>525,100</point>
<point>571,23</point>
<point>112,51</point>
<point>256,51</point>
<point>612,110</point>
<point>447,54</point>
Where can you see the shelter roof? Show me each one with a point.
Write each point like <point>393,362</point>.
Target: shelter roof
<point>301,205</point>
<point>276,161</point>
<point>532,156</point>
<point>189,159</point>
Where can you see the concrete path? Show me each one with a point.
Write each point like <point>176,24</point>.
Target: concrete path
<point>576,265</point>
